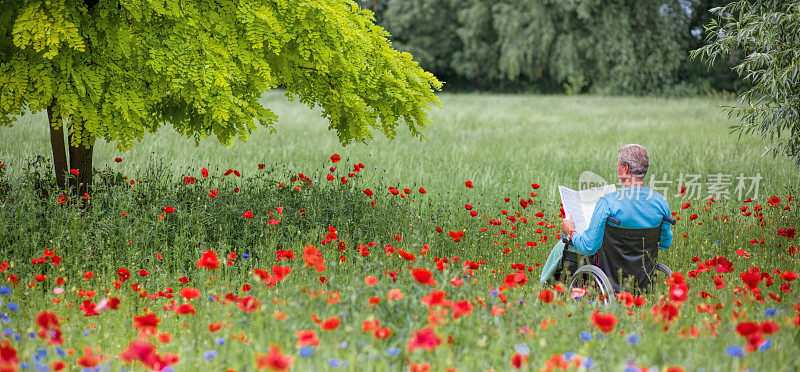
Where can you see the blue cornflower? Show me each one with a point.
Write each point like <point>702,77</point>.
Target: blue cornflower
<point>333,362</point>
<point>60,351</point>
<point>600,336</point>
<point>770,312</point>
<point>586,336</point>
<point>710,233</point>
<point>31,335</point>
<point>392,351</point>
<point>568,356</point>
<point>343,345</point>
<point>344,314</point>
<point>42,353</point>
<point>245,255</point>
<point>24,366</point>
<point>4,318</point>
<point>5,290</point>
<point>42,367</point>
<point>495,292</point>
<point>633,339</point>
<point>631,368</point>
<point>719,241</point>
<point>735,351</point>
<point>766,345</point>
<point>12,306</point>
<point>220,341</point>
<point>86,332</point>
<point>8,332</point>
<point>587,363</point>
<point>306,351</point>
<point>210,354</point>
<point>522,349</point>
<point>211,298</point>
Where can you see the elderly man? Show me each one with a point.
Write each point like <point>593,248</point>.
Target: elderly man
<point>633,205</point>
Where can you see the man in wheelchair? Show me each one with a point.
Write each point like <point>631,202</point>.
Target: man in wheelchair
<point>627,229</point>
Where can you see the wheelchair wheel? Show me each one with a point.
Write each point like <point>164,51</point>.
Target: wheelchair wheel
<point>596,279</point>
<point>664,269</point>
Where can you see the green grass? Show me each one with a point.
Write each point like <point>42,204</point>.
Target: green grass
<point>502,143</point>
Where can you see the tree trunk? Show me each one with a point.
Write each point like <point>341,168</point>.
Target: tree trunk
<point>59,153</point>
<point>80,159</point>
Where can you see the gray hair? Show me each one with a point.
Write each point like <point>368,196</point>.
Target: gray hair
<point>635,157</point>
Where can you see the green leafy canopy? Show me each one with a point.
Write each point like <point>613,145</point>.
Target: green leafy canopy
<point>120,68</point>
<point>768,34</point>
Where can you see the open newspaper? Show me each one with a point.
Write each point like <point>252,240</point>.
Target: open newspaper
<point>580,204</point>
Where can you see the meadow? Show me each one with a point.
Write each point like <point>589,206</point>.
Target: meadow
<point>281,246</point>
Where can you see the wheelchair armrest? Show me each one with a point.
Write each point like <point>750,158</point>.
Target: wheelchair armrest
<point>567,241</point>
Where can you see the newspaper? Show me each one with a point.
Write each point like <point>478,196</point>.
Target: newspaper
<point>580,204</point>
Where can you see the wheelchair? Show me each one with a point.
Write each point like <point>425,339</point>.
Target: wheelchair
<point>626,261</point>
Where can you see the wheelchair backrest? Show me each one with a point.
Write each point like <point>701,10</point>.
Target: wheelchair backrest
<point>629,255</point>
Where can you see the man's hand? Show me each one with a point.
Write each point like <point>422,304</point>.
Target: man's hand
<point>568,226</point>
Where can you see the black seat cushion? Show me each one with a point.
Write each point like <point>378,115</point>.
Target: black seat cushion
<point>629,255</point>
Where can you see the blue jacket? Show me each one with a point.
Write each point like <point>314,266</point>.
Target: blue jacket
<point>635,207</point>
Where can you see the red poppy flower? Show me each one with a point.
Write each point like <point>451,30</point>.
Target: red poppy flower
<point>408,256</point>
<point>249,304</point>
<point>313,257</point>
<point>421,190</point>
<point>168,209</point>
<point>306,337</point>
<point>74,172</point>
<point>455,235</point>
<point>382,333</point>
<point>335,158</point>
<point>145,353</point>
<point>535,186</point>
<point>183,309</point>
<point>204,172</point>
<point>461,308</point>
<point>370,280</point>
<point>209,260</point>
<point>190,293</point>
<point>742,253</point>
<point>425,339</point>
<point>546,296</point>
<point>248,215</point>
<point>213,327</point>
<point>89,358</point>
<point>330,324</point>
<point>686,205</point>
<point>468,184</point>
<point>788,276</point>
<point>274,360</point>
<point>519,360</point>
<point>419,367</point>
<point>605,322</point>
<point>123,274</point>
<point>147,324</point>
<point>368,192</point>
<point>423,276</point>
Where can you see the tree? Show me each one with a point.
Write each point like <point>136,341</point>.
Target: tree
<point>768,34</point>
<point>116,69</point>
<point>427,30</point>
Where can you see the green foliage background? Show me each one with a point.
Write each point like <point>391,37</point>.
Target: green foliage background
<point>603,46</point>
